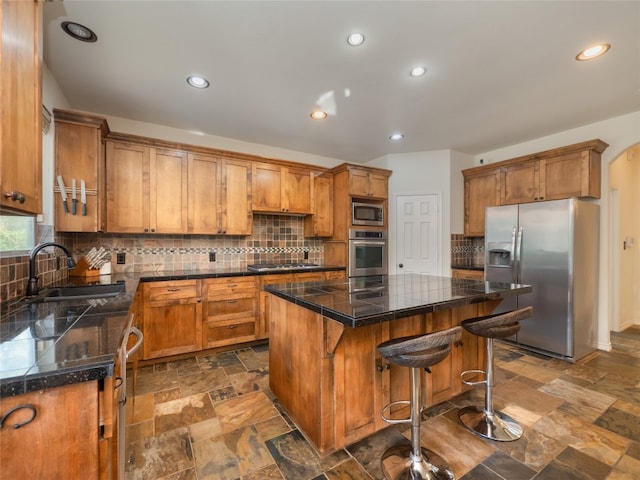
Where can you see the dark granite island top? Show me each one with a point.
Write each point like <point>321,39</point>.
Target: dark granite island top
<point>360,301</point>
<point>324,366</point>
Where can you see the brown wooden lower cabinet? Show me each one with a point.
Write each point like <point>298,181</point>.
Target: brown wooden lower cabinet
<point>66,439</point>
<point>231,311</point>
<point>183,316</point>
<point>468,274</point>
<point>172,318</point>
<point>332,381</point>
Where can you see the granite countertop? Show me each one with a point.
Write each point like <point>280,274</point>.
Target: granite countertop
<point>49,344</point>
<point>363,301</point>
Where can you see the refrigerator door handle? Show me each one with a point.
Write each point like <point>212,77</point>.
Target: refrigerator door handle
<point>513,263</point>
<point>517,272</point>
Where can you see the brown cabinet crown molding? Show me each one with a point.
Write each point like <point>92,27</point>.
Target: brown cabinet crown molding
<point>596,145</point>
<point>166,144</point>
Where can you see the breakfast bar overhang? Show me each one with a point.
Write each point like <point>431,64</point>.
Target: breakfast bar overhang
<point>323,364</point>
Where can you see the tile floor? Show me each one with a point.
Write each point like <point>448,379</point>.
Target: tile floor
<point>212,417</point>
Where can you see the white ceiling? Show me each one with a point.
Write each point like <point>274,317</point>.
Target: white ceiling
<point>499,73</point>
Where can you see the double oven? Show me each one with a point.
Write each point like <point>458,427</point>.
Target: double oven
<point>367,252</point>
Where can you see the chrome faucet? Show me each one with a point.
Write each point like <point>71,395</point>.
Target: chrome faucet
<point>32,286</point>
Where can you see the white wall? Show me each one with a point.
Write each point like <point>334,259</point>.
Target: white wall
<point>52,97</point>
<point>620,133</point>
<point>437,172</point>
<point>622,177</point>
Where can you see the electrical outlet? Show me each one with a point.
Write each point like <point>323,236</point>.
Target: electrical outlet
<point>212,256</point>
<point>306,255</point>
<point>121,258</point>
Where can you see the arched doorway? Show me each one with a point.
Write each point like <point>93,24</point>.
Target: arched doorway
<point>624,240</point>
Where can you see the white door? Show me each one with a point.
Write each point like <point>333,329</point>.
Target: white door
<point>417,234</point>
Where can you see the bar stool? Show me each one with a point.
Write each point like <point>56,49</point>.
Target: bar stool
<point>404,462</point>
<point>487,422</point>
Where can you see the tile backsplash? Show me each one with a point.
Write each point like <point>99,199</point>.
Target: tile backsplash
<point>466,251</point>
<point>14,273</point>
<point>275,239</point>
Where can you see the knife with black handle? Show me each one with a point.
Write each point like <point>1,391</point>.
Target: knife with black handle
<point>83,197</point>
<point>74,199</point>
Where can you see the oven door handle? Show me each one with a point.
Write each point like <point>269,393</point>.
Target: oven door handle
<point>368,243</point>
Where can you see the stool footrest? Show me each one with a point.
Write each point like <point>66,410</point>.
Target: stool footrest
<point>394,420</point>
<point>470,383</point>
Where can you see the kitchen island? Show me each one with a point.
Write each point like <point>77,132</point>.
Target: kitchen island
<point>324,367</point>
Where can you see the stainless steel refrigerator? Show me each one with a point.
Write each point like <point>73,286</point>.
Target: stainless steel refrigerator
<point>552,246</point>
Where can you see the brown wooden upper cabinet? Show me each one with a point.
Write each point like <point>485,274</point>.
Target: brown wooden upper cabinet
<point>80,155</point>
<point>480,191</point>
<point>281,189</point>
<point>367,183</point>
<point>320,222</point>
<point>575,174</point>
<point>21,112</point>
<point>219,195</point>
<point>570,171</point>
<point>146,189</point>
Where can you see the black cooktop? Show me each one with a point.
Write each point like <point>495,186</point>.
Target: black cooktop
<point>267,267</point>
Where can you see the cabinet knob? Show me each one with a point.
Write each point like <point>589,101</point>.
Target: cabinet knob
<point>15,196</point>
<point>153,230</point>
<point>146,230</point>
<point>459,343</point>
<point>401,265</point>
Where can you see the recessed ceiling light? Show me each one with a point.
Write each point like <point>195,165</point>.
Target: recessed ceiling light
<point>197,82</point>
<point>418,71</point>
<point>396,136</point>
<point>318,115</point>
<point>355,39</point>
<point>593,52</point>
<point>79,32</point>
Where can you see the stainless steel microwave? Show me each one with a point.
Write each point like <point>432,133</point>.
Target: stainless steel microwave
<point>370,214</point>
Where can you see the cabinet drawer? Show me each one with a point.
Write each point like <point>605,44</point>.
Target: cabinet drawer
<point>308,277</point>
<point>467,274</point>
<point>171,290</point>
<point>335,275</point>
<point>230,286</point>
<point>229,333</point>
<point>231,306</point>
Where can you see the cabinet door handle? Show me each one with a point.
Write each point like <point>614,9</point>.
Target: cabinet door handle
<point>173,289</point>
<point>16,196</point>
<point>16,408</point>
<point>231,327</point>
<point>232,301</point>
<point>232,285</point>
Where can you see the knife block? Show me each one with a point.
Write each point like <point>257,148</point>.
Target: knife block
<point>82,269</point>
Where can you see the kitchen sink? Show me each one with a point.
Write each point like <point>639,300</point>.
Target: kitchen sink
<point>80,292</point>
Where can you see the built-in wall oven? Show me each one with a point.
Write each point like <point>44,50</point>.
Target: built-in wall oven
<point>367,252</point>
